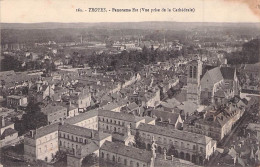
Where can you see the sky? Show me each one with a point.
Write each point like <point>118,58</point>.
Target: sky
<point>34,11</point>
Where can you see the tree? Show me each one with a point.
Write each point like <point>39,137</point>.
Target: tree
<point>10,63</point>
<point>138,141</point>
<point>249,54</point>
<point>90,160</point>
<point>31,120</point>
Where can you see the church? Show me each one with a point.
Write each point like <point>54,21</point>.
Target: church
<point>211,85</point>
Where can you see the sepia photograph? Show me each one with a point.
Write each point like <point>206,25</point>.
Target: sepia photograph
<point>130,83</point>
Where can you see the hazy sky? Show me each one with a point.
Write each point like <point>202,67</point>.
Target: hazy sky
<point>31,11</point>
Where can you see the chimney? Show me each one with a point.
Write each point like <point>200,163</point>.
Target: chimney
<point>164,155</point>
<point>92,133</point>
<point>128,130</point>
<point>32,133</point>
<point>3,121</point>
<point>62,121</point>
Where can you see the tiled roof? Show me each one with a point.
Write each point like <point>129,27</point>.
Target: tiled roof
<point>215,74</point>
<point>132,106</point>
<point>188,107</point>
<point>8,132</point>
<point>120,116</point>
<point>131,152</point>
<point>166,116</point>
<point>52,109</point>
<point>43,131</point>
<point>173,133</point>
<point>82,117</point>
<point>220,93</point>
<point>7,123</point>
<point>175,162</point>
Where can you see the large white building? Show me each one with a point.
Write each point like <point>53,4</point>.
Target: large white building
<point>86,133</point>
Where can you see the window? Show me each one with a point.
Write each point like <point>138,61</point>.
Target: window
<point>201,149</point>
<point>76,139</point>
<point>125,162</point>
<point>137,164</point>
<point>194,72</point>
<point>107,156</point>
<point>119,159</point>
<point>190,71</point>
<point>114,159</point>
<point>194,147</point>
<point>102,155</point>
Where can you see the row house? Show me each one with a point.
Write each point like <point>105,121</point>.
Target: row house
<point>215,123</point>
<point>125,155</point>
<point>78,142</point>
<point>186,145</point>
<point>113,122</point>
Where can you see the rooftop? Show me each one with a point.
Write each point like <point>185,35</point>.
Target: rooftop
<point>83,132</point>
<point>174,133</point>
<point>131,152</point>
<point>120,116</point>
<point>52,109</point>
<point>81,117</point>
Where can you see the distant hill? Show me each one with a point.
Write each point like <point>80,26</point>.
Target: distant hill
<point>126,25</point>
